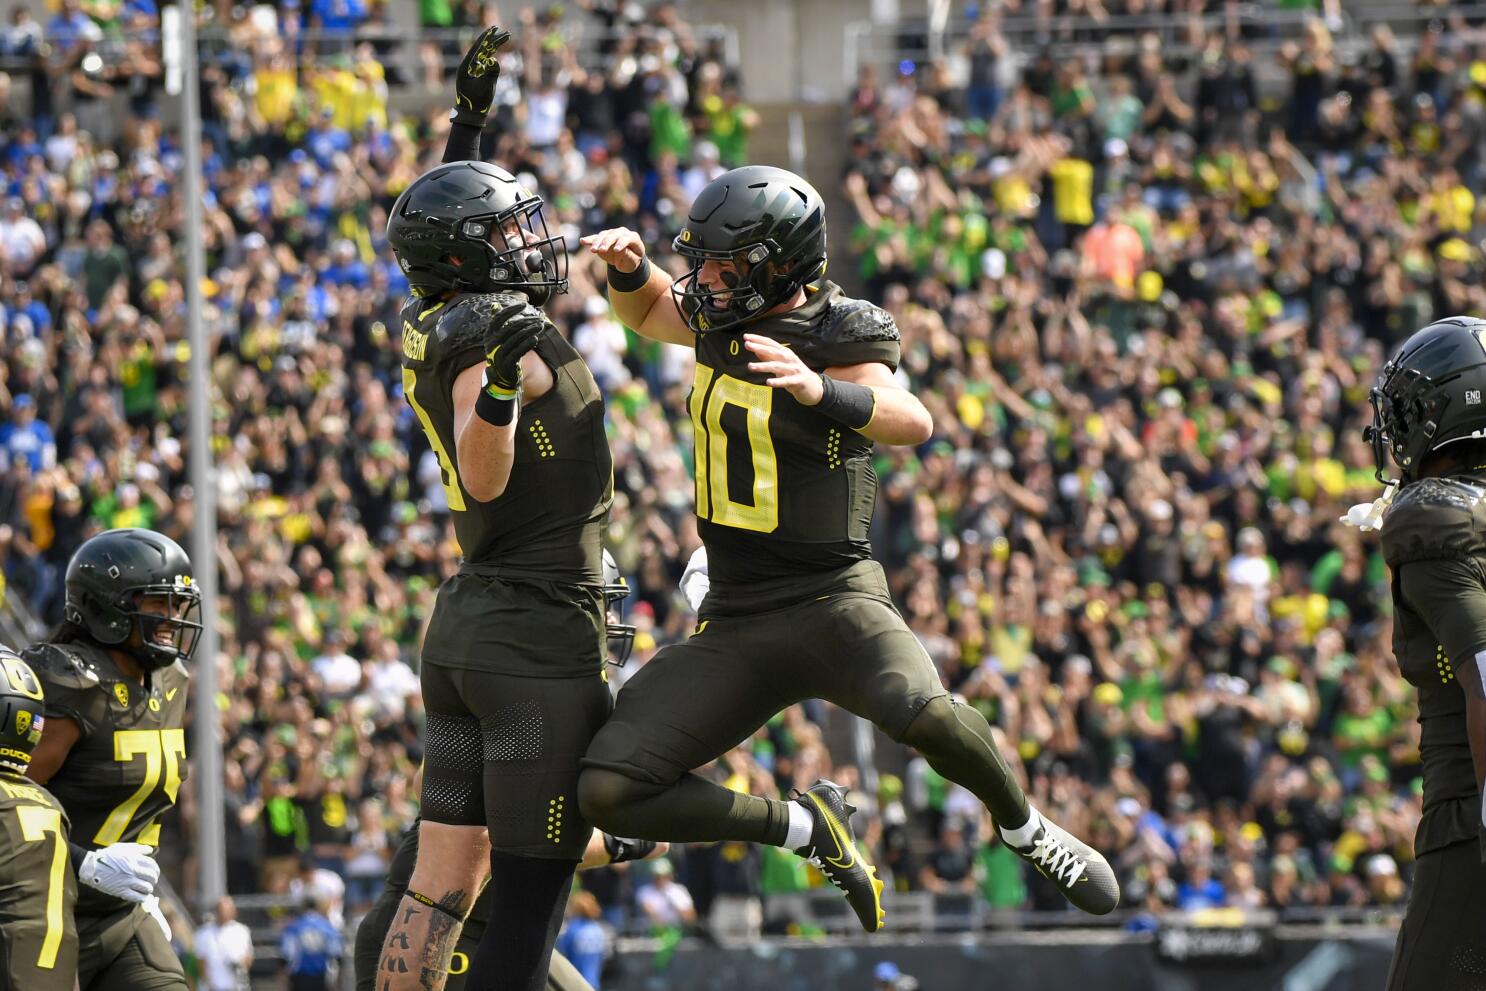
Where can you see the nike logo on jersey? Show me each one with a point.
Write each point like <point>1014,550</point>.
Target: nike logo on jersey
<point>171,694</point>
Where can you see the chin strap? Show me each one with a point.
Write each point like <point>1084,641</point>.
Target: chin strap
<point>1367,516</point>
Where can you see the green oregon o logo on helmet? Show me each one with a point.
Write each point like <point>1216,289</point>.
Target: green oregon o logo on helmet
<point>1428,396</point>
<point>765,228</point>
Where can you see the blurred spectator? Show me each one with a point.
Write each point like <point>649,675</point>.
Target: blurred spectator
<point>583,939</point>
<point>21,238</point>
<point>24,436</point>
<point>665,902</point>
<point>311,947</point>
<point>371,852</point>
<point>949,868</point>
<point>225,949</point>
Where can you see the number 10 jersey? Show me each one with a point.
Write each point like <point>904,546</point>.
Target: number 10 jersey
<point>783,491</point>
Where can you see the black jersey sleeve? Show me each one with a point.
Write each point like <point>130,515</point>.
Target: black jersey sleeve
<point>463,144</point>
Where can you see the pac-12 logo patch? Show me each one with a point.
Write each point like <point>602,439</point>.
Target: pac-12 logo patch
<point>22,723</point>
<point>121,692</point>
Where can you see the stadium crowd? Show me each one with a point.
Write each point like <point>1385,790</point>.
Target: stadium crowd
<point>1144,305</point>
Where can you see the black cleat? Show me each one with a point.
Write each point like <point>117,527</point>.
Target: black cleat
<point>1079,871</point>
<point>832,849</point>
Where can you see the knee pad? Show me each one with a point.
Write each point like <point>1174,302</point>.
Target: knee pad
<point>936,720</point>
<point>603,796</point>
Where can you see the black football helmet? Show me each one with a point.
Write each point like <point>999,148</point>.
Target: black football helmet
<point>107,581</point>
<point>771,224</point>
<point>1429,395</point>
<point>22,711</point>
<point>621,634</point>
<point>472,227</point>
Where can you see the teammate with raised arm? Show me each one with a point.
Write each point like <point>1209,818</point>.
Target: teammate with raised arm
<point>513,660</point>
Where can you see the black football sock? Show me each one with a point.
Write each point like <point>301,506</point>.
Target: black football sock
<point>529,896</point>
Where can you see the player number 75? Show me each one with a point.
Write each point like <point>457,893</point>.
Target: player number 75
<point>162,749</point>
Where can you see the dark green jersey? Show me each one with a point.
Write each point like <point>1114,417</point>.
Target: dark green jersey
<point>783,492</point>
<point>128,763</point>
<point>549,521</point>
<point>38,891</point>
<point>1434,538</point>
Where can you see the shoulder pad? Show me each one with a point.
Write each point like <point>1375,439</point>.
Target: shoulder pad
<point>61,664</point>
<point>467,321</point>
<point>856,321</point>
<point>1434,518</point>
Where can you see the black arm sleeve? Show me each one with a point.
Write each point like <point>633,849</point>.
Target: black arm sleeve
<point>463,144</point>
<point>79,853</point>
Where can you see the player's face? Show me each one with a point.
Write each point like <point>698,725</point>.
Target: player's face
<point>720,277</point>
<point>167,621</point>
<point>510,233</point>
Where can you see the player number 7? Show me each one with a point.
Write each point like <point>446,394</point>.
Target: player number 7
<point>36,822</point>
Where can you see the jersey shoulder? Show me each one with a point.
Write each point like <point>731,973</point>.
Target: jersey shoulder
<point>63,665</point>
<point>17,790</point>
<point>849,331</point>
<point>1433,519</point>
<point>72,681</point>
<point>857,321</point>
<point>465,322</point>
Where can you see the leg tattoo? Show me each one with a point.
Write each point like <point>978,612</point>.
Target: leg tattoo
<point>421,941</point>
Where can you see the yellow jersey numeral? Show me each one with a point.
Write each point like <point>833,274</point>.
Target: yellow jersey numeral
<point>714,501</point>
<point>36,822</point>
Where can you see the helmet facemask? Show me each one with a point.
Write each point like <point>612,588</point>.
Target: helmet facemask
<point>621,635</point>
<point>472,227</point>
<point>158,624</point>
<point>515,251</point>
<point>1409,408</point>
<point>753,286</point>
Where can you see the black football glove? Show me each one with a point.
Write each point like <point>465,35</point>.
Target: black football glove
<point>621,849</point>
<point>474,87</point>
<point>518,328</point>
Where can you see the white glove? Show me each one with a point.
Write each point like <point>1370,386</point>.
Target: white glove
<point>1367,516</point>
<point>694,580</point>
<point>124,870</point>
<point>152,906</point>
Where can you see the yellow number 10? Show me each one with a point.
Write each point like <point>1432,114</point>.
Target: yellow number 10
<point>165,747</point>
<point>36,822</point>
<point>714,502</point>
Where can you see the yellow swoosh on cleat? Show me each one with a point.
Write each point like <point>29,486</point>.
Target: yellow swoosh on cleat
<point>837,832</point>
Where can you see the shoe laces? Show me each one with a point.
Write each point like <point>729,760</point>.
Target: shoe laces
<point>1057,859</point>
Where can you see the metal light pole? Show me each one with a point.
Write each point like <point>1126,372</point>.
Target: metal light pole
<point>207,747</point>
